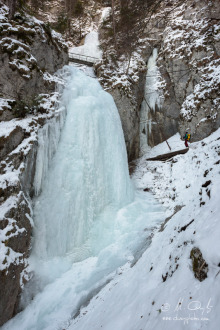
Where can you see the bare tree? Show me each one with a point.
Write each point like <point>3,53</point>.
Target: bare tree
<point>12,5</point>
<point>113,23</point>
<point>73,8</point>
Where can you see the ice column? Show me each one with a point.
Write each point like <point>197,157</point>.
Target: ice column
<point>151,99</point>
<point>48,138</point>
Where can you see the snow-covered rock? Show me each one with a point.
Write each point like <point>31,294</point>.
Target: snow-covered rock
<point>30,54</point>
<point>19,144</point>
<point>28,50</point>
<point>186,35</point>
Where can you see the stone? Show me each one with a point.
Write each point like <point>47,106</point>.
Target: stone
<point>10,142</point>
<point>199,265</point>
<point>129,120</point>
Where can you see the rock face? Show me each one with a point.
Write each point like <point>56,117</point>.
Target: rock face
<point>17,187</point>
<point>189,52</point>
<point>18,242</point>
<point>129,114</point>
<point>30,53</point>
<point>16,235</point>
<point>188,63</point>
<point>187,37</point>
<point>10,142</point>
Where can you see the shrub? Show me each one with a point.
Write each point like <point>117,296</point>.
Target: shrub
<point>23,107</point>
<point>61,24</point>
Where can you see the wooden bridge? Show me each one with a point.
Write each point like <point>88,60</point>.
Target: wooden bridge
<point>82,59</point>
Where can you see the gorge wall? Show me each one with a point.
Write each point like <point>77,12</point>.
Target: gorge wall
<point>30,54</point>
<point>186,35</point>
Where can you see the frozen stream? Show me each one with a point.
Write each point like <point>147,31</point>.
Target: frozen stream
<point>89,220</point>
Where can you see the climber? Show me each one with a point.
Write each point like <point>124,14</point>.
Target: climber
<point>187,138</point>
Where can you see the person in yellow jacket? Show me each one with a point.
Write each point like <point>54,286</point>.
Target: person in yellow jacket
<point>187,138</point>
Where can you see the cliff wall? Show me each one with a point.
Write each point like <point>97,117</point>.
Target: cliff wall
<point>30,54</point>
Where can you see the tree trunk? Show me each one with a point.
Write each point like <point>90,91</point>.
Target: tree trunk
<point>129,61</point>
<point>80,28</point>
<point>12,4</point>
<point>113,23</point>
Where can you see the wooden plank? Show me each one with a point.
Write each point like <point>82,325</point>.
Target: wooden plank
<point>169,155</point>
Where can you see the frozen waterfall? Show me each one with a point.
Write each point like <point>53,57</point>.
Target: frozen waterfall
<point>88,173</point>
<point>88,219</point>
<point>152,99</point>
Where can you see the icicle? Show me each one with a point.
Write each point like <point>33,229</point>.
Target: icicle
<point>152,98</point>
<point>48,138</point>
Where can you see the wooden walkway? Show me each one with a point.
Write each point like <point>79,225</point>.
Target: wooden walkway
<point>169,155</point>
<point>82,59</point>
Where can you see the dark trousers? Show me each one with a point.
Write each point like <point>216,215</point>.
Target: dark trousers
<point>186,143</point>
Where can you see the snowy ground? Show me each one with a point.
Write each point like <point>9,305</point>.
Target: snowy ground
<point>175,143</point>
<point>160,291</point>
